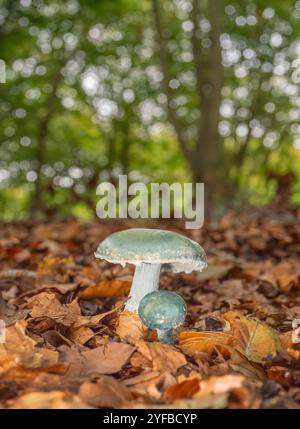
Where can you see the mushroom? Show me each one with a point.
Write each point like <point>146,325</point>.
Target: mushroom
<point>162,310</point>
<point>150,250</point>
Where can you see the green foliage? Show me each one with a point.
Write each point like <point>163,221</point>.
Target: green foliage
<point>84,82</point>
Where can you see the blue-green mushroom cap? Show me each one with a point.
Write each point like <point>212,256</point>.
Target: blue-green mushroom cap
<point>162,310</point>
<point>153,246</point>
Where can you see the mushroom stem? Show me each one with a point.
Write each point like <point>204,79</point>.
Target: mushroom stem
<point>165,336</point>
<point>145,280</point>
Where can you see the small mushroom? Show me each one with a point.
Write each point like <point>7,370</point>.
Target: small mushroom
<point>150,250</point>
<point>162,310</point>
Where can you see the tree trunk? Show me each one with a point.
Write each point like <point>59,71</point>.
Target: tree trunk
<point>37,198</point>
<point>204,157</point>
<point>164,65</point>
<point>207,157</point>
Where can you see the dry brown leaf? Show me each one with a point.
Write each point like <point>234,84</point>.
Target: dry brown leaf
<point>47,400</point>
<point>106,392</point>
<point>286,339</point>
<point>130,327</point>
<point>239,363</point>
<point>62,288</point>
<point>233,289</point>
<point>104,360</point>
<point>192,342</point>
<point>161,356</point>
<point>242,273</point>
<point>93,320</point>
<point>92,272</point>
<point>107,359</point>
<point>109,288</point>
<point>184,390</point>
<point>145,384</point>
<point>46,304</point>
<point>55,339</point>
<point>29,374</point>
<point>73,359</point>
<point>52,262</point>
<point>18,349</point>
<point>214,402</point>
<point>280,374</point>
<point>217,385</point>
<point>21,358</point>
<point>210,401</point>
<point>16,339</point>
<point>81,335</point>
<point>282,276</point>
<point>287,344</point>
<point>253,338</point>
<point>214,272</point>
<point>286,276</point>
<point>49,357</point>
<point>140,362</point>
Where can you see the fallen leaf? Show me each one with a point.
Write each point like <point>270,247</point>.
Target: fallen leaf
<point>46,304</point>
<point>106,392</point>
<point>280,375</point>
<point>58,347</point>
<point>283,276</point>
<point>81,335</point>
<point>212,323</point>
<point>107,359</point>
<point>49,357</point>
<point>161,356</point>
<point>29,374</point>
<point>253,338</point>
<point>92,272</point>
<point>130,327</point>
<point>62,288</point>
<point>288,346</point>
<point>286,276</point>
<point>16,339</point>
<point>109,288</point>
<point>51,262</point>
<point>47,400</point>
<point>104,360</point>
<point>209,402</point>
<point>214,272</point>
<point>18,348</point>
<point>184,390</point>
<point>140,362</point>
<point>192,342</point>
<point>95,320</point>
<point>216,385</point>
<point>239,363</point>
<point>145,384</point>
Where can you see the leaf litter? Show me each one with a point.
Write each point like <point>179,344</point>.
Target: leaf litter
<point>69,344</point>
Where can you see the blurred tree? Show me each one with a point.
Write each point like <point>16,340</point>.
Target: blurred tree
<point>240,65</point>
<point>95,89</point>
<point>203,155</point>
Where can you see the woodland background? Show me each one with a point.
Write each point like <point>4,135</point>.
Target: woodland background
<point>183,90</point>
<point>164,91</point>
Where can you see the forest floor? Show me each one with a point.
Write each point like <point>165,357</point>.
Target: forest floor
<point>67,343</point>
